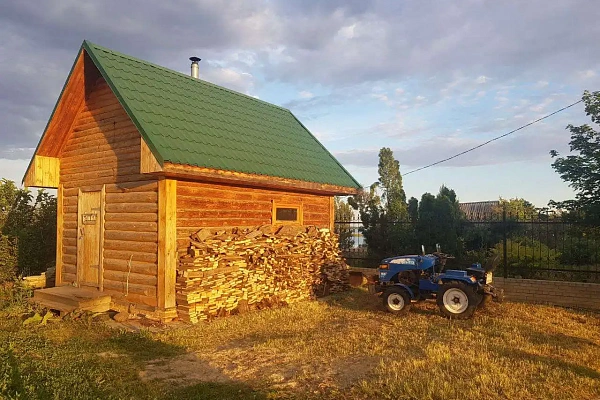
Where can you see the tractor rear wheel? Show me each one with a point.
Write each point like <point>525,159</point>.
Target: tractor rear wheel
<point>457,300</point>
<point>396,300</point>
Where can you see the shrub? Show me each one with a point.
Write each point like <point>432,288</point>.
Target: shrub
<point>527,253</point>
<point>27,231</point>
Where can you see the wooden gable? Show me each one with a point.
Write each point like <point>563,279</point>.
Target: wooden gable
<point>43,170</point>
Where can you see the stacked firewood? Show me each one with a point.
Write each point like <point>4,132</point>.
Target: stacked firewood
<point>233,270</point>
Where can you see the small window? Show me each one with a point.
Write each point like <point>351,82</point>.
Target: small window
<point>287,213</point>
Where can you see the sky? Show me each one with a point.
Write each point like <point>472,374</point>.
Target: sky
<point>427,79</point>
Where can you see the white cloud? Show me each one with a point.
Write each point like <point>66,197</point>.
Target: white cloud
<point>482,79</point>
<point>541,84</point>
<point>347,32</point>
<point>587,74</point>
<point>305,94</point>
<point>239,81</point>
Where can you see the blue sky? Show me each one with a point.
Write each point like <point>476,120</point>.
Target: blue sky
<point>428,79</point>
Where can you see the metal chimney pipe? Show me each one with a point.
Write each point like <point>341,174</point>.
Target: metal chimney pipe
<point>195,67</point>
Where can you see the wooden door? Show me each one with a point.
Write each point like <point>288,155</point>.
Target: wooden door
<point>89,238</point>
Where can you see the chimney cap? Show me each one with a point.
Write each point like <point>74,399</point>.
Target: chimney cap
<point>195,59</point>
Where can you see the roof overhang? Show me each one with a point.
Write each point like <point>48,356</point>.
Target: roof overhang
<point>149,165</point>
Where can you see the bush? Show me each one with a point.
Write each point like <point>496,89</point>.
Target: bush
<point>14,296</point>
<point>27,231</point>
<point>523,253</point>
<point>8,258</point>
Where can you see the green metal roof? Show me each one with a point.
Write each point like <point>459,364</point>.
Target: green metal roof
<point>189,121</point>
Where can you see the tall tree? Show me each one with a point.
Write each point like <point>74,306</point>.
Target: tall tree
<point>582,169</point>
<point>440,220</point>
<point>390,183</point>
<point>383,210</point>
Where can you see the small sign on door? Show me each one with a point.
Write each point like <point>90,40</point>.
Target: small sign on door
<point>90,218</point>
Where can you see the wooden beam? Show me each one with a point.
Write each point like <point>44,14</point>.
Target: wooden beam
<point>331,213</point>
<point>148,163</point>
<point>59,235</point>
<point>101,260</point>
<point>251,180</point>
<point>43,172</point>
<point>167,243</point>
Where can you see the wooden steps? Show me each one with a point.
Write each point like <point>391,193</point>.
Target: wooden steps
<point>69,298</point>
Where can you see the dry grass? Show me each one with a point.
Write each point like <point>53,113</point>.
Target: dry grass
<point>343,348</point>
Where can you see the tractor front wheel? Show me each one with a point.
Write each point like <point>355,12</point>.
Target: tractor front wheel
<point>457,300</point>
<point>396,300</point>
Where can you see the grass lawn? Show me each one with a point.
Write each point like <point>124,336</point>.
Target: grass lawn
<point>344,347</point>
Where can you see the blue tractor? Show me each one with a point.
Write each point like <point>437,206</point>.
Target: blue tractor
<point>458,293</point>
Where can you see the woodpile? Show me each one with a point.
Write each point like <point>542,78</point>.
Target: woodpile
<point>44,280</point>
<point>234,270</point>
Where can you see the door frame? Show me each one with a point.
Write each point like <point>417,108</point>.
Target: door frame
<point>79,266</point>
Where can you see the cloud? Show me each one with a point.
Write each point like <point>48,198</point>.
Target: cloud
<point>305,94</point>
<point>587,74</point>
<point>239,81</point>
<point>437,54</point>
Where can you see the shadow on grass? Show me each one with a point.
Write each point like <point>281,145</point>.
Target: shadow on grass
<point>577,369</point>
<point>356,299</point>
<point>141,346</point>
<point>217,391</point>
<point>557,339</point>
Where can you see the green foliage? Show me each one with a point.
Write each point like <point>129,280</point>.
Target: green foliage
<point>14,297</point>
<point>383,217</point>
<point>439,221</point>
<point>343,212</point>
<point>390,182</point>
<point>517,209</point>
<point>27,231</point>
<point>582,169</point>
<point>581,246</point>
<point>8,258</point>
<point>525,253</point>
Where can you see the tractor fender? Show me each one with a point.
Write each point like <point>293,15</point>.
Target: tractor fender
<point>403,286</point>
<point>466,280</point>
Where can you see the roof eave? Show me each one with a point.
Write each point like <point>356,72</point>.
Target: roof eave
<point>183,171</point>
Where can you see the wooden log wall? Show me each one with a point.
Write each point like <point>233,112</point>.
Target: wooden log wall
<point>103,148</point>
<point>207,205</point>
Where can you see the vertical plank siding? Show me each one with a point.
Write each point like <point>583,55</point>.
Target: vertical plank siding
<point>103,151</point>
<point>202,205</point>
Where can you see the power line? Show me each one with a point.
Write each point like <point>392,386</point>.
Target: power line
<point>492,140</point>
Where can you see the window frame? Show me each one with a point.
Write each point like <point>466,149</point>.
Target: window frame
<point>298,206</point>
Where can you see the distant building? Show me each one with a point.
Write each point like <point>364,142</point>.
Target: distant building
<point>479,210</point>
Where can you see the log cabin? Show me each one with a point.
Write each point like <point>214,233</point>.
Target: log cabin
<point>143,156</point>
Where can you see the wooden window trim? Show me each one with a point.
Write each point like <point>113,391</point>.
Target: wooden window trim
<point>297,206</point>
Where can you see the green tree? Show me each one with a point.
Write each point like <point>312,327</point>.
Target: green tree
<point>582,169</point>
<point>28,230</point>
<point>517,208</point>
<point>343,214</point>
<point>390,183</point>
<point>440,220</point>
<point>383,211</point>
<point>413,210</point>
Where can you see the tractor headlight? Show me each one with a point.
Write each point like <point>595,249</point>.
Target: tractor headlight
<point>473,279</point>
<point>384,266</point>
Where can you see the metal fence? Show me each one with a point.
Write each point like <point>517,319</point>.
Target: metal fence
<point>536,247</point>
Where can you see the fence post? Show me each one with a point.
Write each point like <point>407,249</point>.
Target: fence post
<point>504,256</point>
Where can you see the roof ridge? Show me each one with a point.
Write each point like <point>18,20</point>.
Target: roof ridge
<point>171,71</point>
